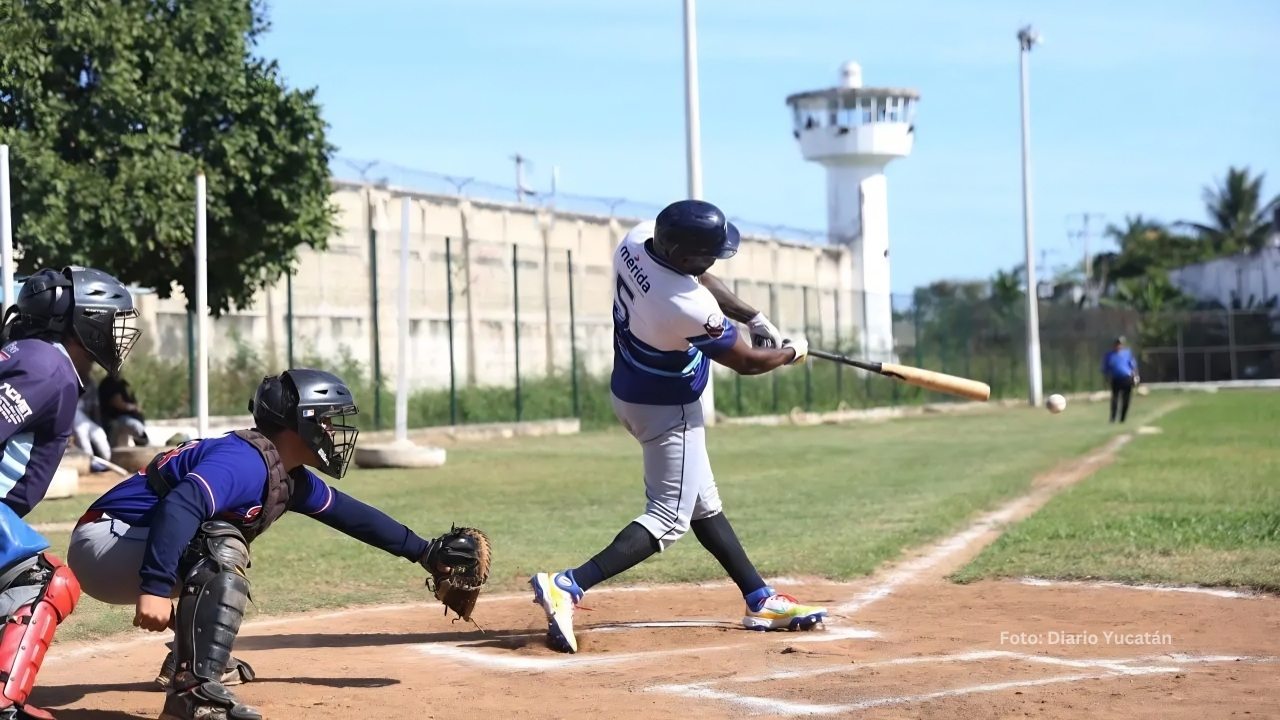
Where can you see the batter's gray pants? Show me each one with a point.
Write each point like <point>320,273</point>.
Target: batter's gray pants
<point>678,482</point>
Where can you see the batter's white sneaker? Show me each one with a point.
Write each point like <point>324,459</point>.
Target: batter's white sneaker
<point>783,612</point>
<point>557,594</point>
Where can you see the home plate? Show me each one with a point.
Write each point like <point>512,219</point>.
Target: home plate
<point>1149,430</point>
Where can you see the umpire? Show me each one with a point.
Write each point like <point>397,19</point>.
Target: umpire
<point>1121,370</point>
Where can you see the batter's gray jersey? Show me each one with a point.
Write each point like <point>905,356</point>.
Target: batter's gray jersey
<point>678,482</point>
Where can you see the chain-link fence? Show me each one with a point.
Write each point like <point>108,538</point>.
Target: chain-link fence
<point>511,319</point>
<point>505,332</point>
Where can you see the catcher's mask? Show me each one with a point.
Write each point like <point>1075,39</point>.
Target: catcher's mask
<point>87,304</point>
<point>316,405</point>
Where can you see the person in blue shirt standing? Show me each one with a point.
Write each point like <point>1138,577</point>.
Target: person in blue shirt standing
<point>1121,370</point>
<point>182,528</point>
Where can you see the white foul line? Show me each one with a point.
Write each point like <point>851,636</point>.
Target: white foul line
<point>1113,668</point>
<point>111,648</point>
<point>959,542</point>
<point>787,707</point>
<point>1119,665</point>
<point>1215,592</point>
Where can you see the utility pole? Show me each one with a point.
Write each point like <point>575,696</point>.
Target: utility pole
<point>1027,38</point>
<point>1084,235</point>
<point>520,161</point>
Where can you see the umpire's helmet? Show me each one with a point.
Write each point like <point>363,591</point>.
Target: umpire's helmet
<point>88,304</point>
<point>692,234</point>
<point>315,404</point>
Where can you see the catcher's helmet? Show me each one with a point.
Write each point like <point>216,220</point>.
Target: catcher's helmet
<point>315,404</point>
<point>694,229</point>
<point>88,304</point>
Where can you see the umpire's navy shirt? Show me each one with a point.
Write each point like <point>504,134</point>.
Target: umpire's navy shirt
<point>39,389</point>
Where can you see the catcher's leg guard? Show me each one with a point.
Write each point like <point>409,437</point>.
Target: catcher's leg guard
<point>210,608</point>
<point>35,596</point>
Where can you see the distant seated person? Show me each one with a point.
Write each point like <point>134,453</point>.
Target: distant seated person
<point>90,436</point>
<point>120,412</point>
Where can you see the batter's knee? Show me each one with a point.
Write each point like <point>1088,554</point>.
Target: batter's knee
<point>664,528</point>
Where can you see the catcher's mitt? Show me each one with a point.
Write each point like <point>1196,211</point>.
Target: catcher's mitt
<point>458,562</point>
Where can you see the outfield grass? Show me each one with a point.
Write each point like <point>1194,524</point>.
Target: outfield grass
<point>1197,504</point>
<point>833,501</point>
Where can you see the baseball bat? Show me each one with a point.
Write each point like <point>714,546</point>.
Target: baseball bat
<point>927,379</point>
<point>113,467</point>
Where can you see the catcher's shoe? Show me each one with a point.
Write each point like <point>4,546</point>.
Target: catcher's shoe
<point>204,701</point>
<point>783,612</point>
<point>557,595</point>
<point>25,712</point>
<point>238,671</point>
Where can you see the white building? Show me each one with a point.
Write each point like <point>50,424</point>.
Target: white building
<point>1244,276</point>
<point>854,132</point>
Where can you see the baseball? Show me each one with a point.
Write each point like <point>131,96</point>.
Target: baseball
<point>1056,403</point>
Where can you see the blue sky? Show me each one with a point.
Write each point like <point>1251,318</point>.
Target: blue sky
<point>1136,104</point>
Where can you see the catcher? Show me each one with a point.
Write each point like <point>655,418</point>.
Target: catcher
<point>182,529</point>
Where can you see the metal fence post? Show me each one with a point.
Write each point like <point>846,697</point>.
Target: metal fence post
<point>191,362</point>
<point>515,293</point>
<point>373,320</point>
<point>737,378</point>
<point>288,317</point>
<point>1182,374</point>
<point>773,315</point>
<point>573,340</point>
<point>448,285</point>
<point>808,367</point>
<point>840,349</point>
<point>1231,340</point>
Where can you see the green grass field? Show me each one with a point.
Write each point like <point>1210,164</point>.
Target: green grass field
<point>1197,504</point>
<point>832,501</point>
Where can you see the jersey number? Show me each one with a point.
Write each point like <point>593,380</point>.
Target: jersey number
<point>176,452</point>
<point>621,314</point>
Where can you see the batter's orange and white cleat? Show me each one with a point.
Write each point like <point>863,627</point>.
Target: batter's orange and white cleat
<point>779,611</point>
<point>557,594</point>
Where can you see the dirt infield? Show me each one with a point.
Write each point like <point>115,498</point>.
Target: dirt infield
<point>931,649</point>
<point>904,643</point>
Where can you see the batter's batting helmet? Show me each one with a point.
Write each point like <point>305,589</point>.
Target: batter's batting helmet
<point>314,404</point>
<point>88,304</point>
<point>693,228</point>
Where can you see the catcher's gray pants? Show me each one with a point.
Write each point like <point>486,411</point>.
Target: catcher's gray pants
<point>678,483</point>
<point>106,556</point>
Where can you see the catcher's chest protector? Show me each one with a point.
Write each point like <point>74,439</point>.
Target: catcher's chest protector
<point>275,498</point>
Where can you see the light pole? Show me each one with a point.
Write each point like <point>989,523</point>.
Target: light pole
<point>1028,37</point>
<point>693,154</point>
<point>692,130</point>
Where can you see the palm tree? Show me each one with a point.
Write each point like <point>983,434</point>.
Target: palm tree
<point>1238,221</point>
<point>1146,246</point>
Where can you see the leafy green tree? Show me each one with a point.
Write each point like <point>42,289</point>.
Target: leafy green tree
<point>1145,246</point>
<point>1238,219</point>
<point>112,106</point>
